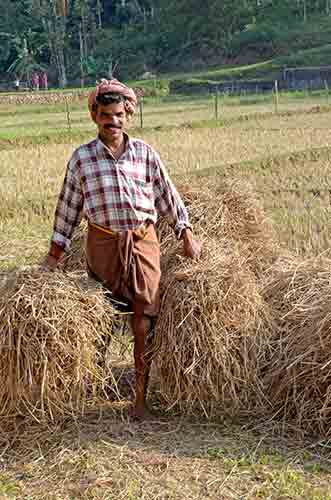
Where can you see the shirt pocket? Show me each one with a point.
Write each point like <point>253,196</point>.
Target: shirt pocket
<point>143,189</point>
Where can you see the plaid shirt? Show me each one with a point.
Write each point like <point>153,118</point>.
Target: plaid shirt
<point>116,194</point>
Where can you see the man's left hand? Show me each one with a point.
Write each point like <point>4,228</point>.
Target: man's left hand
<point>192,248</point>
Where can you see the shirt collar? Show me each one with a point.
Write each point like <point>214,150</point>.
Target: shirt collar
<point>101,147</point>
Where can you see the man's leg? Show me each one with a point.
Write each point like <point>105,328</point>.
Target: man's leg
<point>141,326</point>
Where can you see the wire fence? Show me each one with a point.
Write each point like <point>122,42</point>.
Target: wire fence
<point>220,108</point>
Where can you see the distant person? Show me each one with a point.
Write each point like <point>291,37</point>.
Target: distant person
<point>17,84</point>
<point>121,186</point>
<point>35,81</point>
<point>43,81</point>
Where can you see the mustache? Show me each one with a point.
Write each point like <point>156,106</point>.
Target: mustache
<point>109,126</point>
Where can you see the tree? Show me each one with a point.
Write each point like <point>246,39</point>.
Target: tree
<point>25,63</point>
<point>53,14</point>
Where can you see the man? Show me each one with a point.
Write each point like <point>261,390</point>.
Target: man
<point>120,185</point>
<point>35,81</point>
<point>44,80</point>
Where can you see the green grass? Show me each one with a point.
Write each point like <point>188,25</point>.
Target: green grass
<point>38,124</point>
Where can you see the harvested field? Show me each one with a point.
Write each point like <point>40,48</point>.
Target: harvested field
<point>316,121</point>
<point>259,352</point>
<point>230,145</point>
<point>52,113</point>
<point>286,189</point>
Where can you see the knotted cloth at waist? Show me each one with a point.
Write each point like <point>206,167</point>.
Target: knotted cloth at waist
<point>128,263</point>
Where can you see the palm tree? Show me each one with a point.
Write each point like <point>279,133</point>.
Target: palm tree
<point>25,63</point>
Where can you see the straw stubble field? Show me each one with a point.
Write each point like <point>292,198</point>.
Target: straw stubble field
<point>102,454</point>
<point>295,193</point>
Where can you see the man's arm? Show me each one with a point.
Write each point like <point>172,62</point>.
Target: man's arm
<point>192,247</point>
<point>169,203</point>
<point>68,214</point>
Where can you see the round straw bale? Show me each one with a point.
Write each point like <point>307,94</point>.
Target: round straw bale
<point>54,331</point>
<point>209,334</point>
<point>298,376</point>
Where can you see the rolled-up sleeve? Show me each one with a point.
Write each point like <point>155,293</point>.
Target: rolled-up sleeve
<point>167,200</point>
<point>69,207</point>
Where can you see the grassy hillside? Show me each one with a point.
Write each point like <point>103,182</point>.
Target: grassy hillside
<point>260,53</point>
<point>268,69</point>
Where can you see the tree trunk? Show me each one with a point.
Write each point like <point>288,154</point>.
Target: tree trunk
<point>99,11</point>
<point>84,27</point>
<point>81,53</point>
<point>304,11</point>
<point>55,26</point>
<point>60,37</point>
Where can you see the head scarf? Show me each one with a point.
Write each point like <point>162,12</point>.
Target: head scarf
<point>113,87</point>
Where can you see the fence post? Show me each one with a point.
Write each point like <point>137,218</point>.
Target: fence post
<point>326,91</point>
<point>216,104</point>
<point>68,113</point>
<point>141,112</point>
<point>276,96</point>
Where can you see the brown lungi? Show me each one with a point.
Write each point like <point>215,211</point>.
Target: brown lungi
<point>128,264</point>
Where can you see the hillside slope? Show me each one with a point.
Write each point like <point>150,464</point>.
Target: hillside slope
<point>260,54</point>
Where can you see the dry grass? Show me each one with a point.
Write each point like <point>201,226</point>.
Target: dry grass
<point>104,456</point>
<point>200,148</point>
<point>230,209</point>
<point>295,193</point>
<point>299,121</point>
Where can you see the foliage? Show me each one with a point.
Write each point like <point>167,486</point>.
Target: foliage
<point>86,39</point>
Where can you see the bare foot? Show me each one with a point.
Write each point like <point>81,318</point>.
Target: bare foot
<point>140,413</point>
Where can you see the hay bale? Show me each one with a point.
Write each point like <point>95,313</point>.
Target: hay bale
<point>228,210</point>
<point>54,331</point>
<point>298,375</point>
<point>231,210</point>
<point>210,333</point>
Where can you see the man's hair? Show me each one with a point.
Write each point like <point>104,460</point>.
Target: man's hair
<point>108,98</point>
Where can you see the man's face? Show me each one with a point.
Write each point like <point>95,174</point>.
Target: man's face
<point>111,120</point>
